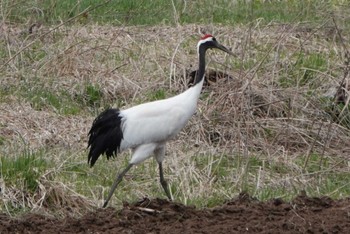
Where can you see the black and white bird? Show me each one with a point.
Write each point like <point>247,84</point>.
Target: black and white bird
<point>147,127</point>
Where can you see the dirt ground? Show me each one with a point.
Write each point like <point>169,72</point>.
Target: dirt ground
<point>240,215</point>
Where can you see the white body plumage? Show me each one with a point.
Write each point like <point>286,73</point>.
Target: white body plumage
<point>147,127</point>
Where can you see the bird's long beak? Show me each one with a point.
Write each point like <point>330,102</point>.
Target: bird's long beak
<point>223,48</point>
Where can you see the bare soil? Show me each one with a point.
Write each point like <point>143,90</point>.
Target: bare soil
<point>243,214</point>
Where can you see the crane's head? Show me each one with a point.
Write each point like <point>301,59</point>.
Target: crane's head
<point>208,42</point>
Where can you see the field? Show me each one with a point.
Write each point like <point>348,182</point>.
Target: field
<point>267,151</point>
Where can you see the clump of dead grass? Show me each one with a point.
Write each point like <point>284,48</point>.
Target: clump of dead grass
<point>50,198</point>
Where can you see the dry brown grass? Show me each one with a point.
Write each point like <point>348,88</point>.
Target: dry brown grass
<point>249,115</point>
<point>85,55</point>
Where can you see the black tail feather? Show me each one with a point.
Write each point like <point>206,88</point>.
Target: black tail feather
<point>105,135</point>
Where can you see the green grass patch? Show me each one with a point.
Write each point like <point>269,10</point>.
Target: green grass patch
<point>157,95</point>
<point>306,70</point>
<point>44,96</point>
<point>134,12</point>
<point>24,170</point>
<point>2,140</point>
<point>93,95</point>
<point>60,101</point>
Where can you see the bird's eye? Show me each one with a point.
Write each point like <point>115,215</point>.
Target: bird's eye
<point>214,39</point>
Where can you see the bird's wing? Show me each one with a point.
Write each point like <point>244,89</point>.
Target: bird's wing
<point>153,122</point>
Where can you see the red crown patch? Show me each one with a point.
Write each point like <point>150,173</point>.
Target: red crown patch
<point>206,36</point>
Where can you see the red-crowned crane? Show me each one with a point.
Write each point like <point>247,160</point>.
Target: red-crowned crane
<point>147,127</point>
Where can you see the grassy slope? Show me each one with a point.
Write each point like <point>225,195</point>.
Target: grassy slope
<point>269,132</point>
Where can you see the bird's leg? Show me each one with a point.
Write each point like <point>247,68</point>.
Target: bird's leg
<point>115,184</point>
<point>163,181</point>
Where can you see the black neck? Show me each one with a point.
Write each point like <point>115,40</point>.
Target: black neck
<point>201,67</point>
